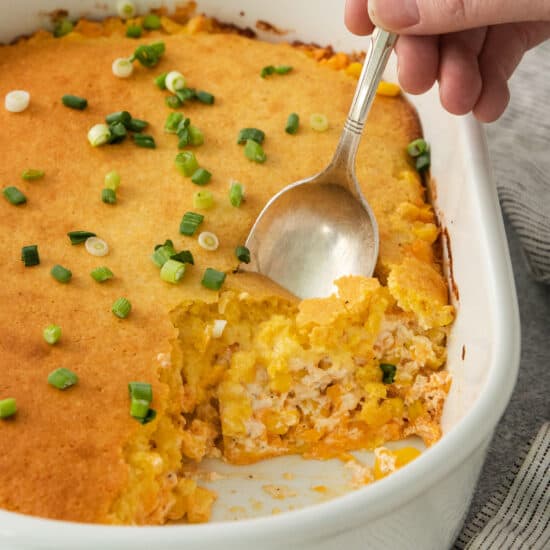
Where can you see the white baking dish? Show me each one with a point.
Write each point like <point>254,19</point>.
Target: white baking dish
<point>422,505</point>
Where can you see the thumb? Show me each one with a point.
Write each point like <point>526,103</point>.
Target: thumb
<point>443,16</point>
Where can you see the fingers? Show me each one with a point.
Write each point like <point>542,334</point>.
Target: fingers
<point>460,82</point>
<point>418,62</point>
<point>356,17</point>
<point>443,16</point>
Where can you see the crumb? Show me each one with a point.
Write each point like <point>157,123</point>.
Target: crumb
<point>279,492</point>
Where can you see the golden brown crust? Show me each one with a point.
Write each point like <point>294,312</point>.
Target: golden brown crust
<point>62,455</point>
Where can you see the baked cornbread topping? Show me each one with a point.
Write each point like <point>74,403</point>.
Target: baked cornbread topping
<point>234,368</point>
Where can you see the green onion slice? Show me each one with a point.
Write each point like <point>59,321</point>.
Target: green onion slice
<point>213,279</point>
<point>185,257</point>
<point>119,116</point>
<point>61,274</point>
<point>236,194</point>
<point>141,390</point>
<point>243,254</point>
<point>292,123</point>
<point>388,371</point>
<point>78,237</point>
<point>173,101</point>
<point>203,200</point>
<point>101,274</point>
<point>267,70</point>
<point>163,253</point>
<point>208,241</point>
<point>29,255</point>
<point>271,69</point>
<point>172,122</point>
<point>186,163</point>
<point>99,135</point>
<point>205,97</point>
<point>32,174</point>
<point>108,196</point>
<point>174,81</point>
<point>145,140</point>
<point>283,69</point>
<point>8,407</point>
<point>14,196</point>
<point>318,122</point>
<point>190,222</point>
<point>151,415</point>
<point>74,102</point>
<point>254,151</point>
<point>96,246</point>
<point>160,81</point>
<point>117,132</point>
<point>201,176</point>
<point>52,334</point>
<point>139,408</point>
<point>151,22</point>
<point>121,308</point>
<point>423,162</point>
<point>149,55</point>
<point>185,94</point>
<point>196,137</point>
<point>62,27</point>
<point>172,271</point>
<point>112,181</point>
<point>417,147</point>
<point>137,125</point>
<point>62,378</point>
<point>250,133</point>
<point>133,31</point>
<point>126,9</point>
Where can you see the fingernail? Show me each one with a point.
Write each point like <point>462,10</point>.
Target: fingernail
<point>394,14</point>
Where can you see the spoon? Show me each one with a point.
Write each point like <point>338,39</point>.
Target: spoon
<point>321,228</point>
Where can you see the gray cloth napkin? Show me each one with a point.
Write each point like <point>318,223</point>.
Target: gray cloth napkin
<point>517,516</point>
<point>519,146</point>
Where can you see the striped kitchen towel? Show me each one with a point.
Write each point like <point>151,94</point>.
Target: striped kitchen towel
<point>519,146</point>
<point>517,516</point>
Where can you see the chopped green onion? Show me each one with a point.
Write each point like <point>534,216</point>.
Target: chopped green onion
<point>185,257</point>
<point>125,9</point>
<point>151,415</point>
<point>141,390</point>
<point>8,407</point>
<point>174,81</point>
<point>108,196</point>
<point>118,132</point>
<point>172,122</point>
<point>61,274</point>
<point>250,133</point>
<point>213,279</point>
<point>160,81</point>
<point>205,97</point>
<point>172,271</point>
<point>292,123</point>
<point>236,194</point>
<point>32,174</point>
<point>99,135</point>
<point>183,124</point>
<point>196,137</point>
<point>190,222</point>
<point>318,122</point>
<point>101,274</point>
<point>163,252</point>
<point>121,308</point>
<point>201,176</point>
<point>96,246</point>
<point>388,372</point>
<point>243,254</point>
<point>122,67</point>
<point>119,116</point>
<point>29,255</point>
<point>173,101</point>
<point>267,70</point>
<point>254,151</point>
<point>184,137</point>
<point>423,162</point>
<point>62,378</point>
<point>185,94</point>
<point>148,55</point>
<point>78,237</point>
<point>17,101</point>
<point>417,147</point>
<point>203,200</point>
<point>112,181</point>
<point>151,22</point>
<point>208,241</point>
<point>186,163</point>
<point>52,334</point>
<point>139,408</point>
<point>145,140</point>
<point>283,69</point>
<point>62,27</point>
<point>137,125</point>
<point>133,31</point>
<point>14,196</point>
<point>74,102</point>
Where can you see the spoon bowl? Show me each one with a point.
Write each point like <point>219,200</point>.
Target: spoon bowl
<point>321,228</point>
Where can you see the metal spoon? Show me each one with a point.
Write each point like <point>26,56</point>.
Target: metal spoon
<point>321,228</point>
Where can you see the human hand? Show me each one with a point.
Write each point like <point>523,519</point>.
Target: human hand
<point>471,47</point>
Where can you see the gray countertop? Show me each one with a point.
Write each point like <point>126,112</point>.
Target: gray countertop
<point>530,404</point>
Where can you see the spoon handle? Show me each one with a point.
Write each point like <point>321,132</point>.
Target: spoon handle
<point>375,62</point>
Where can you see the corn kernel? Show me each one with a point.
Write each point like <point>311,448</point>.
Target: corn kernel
<point>388,89</point>
<point>354,69</point>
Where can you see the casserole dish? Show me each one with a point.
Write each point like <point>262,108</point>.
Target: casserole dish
<point>348,511</point>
